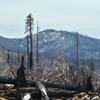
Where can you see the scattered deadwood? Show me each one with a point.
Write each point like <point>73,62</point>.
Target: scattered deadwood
<point>47,85</point>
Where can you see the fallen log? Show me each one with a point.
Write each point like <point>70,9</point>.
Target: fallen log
<point>34,92</point>
<point>4,80</point>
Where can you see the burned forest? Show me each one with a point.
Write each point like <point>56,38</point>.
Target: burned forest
<point>49,65</point>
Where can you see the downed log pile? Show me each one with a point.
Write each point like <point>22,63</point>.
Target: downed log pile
<point>49,85</point>
<point>11,94</point>
<point>53,90</point>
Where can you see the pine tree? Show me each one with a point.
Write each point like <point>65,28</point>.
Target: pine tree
<point>29,29</point>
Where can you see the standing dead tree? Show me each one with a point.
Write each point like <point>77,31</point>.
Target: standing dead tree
<point>8,57</point>
<point>29,28</point>
<point>37,51</point>
<point>77,45</point>
<point>27,62</point>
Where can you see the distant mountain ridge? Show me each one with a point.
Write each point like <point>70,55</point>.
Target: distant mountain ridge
<point>53,42</point>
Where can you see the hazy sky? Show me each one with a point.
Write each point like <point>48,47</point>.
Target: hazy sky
<point>71,15</point>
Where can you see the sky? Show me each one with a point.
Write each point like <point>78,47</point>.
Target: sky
<point>81,16</point>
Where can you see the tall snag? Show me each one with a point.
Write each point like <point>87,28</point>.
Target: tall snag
<point>37,51</point>
<point>28,29</point>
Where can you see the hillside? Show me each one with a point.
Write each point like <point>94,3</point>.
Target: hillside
<point>53,42</point>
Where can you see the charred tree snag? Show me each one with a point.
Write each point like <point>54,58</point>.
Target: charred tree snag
<point>29,28</point>
<point>21,80</point>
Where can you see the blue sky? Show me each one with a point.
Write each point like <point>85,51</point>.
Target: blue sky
<point>71,15</point>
